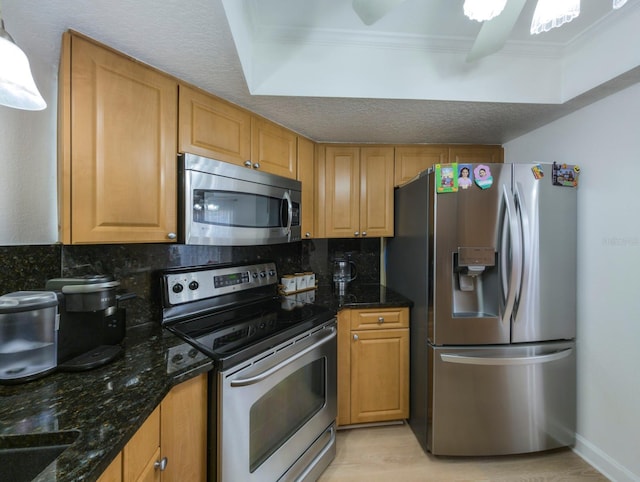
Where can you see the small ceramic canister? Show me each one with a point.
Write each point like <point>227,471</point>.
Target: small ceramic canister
<point>301,281</point>
<point>311,279</point>
<point>288,282</point>
<point>288,303</point>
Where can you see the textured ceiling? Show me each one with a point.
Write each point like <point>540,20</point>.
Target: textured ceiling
<point>193,41</point>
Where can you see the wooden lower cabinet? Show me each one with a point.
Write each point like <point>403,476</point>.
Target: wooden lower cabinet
<point>373,365</point>
<point>171,444</point>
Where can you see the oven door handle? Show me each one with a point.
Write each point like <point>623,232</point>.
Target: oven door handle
<point>242,382</point>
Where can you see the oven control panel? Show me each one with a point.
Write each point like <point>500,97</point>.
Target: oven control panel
<point>184,286</point>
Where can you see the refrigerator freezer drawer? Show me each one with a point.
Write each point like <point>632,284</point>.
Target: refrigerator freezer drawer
<point>488,400</point>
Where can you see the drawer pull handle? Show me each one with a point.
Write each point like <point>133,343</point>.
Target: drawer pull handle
<point>381,319</point>
<point>355,337</point>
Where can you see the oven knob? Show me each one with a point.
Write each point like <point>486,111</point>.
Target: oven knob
<point>263,274</point>
<point>177,288</point>
<point>177,358</point>
<point>193,353</point>
<point>193,285</point>
<point>255,275</point>
<point>272,272</point>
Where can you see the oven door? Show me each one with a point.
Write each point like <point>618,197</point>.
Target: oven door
<point>257,208</point>
<point>278,411</point>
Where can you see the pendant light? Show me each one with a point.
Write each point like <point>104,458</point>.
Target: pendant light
<point>17,87</point>
<point>618,3</point>
<point>483,10</point>
<point>553,13</point>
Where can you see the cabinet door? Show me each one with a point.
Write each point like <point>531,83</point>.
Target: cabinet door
<point>113,473</point>
<point>123,148</point>
<point>409,161</point>
<point>142,451</point>
<point>273,148</point>
<point>476,154</point>
<point>376,191</point>
<point>306,175</point>
<point>184,431</point>
<point>213,128</point>
<point>379,375</point>
<point>342,192</point>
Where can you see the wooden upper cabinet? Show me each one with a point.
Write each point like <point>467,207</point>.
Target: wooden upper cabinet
<point>306,175</point>
<point>355,192</point>
<point>470,154</point>
<point>273,148</point>
<point>411,160</point>
<point>212,127</point>
<point>118,147</point>
<point>341,192</point>
<point>376,191</point>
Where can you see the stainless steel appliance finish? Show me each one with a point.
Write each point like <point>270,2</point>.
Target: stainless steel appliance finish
<point>272,393</point>
<point>227,205</point>
<point>492,274</point>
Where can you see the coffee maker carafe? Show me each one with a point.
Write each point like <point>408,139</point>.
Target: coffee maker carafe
<point>92,325</point>
<point>344,271</point>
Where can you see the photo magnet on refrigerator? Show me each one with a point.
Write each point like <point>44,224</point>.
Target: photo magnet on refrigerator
<point>483,177</point>
<point>446,178</point>
<point>465,176</point>
<point>538,173</point>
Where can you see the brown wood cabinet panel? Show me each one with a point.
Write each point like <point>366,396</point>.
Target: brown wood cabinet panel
<point>342,192</point>
<point>212,127</point>
<point>273,148</point>
<point>142,450</point>
<point>411,160</point>
<point>371,319</point>
<point>376,191</point>
<point>306,175</point>
<point>113,473</point>
<point>122,143</point>
<point>472,154</point>
<point>379,375</point>
<point>184,431</point>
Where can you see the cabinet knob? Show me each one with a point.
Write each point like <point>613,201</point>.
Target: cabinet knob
<point>357,233</point>
<point>256,165</point>
<point>307,234</point>
<point>247,163</point>
<point>355,337</point>
<point>380,320</point>
<point>161,464</point>
<point>364,233</point>
<point>172,236</point>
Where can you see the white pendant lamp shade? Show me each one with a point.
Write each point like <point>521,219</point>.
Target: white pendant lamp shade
<point>553,13</point>
<point>483,10</point>
<point>17,88</point>
<point>618,3</point>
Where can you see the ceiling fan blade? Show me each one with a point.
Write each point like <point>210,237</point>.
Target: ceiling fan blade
<point>370,11</point>
<point>494,32</point>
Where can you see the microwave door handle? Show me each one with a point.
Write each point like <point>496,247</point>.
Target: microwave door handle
<point>287,199</point>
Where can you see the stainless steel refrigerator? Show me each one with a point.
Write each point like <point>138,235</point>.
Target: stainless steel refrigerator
<point>491,270</point>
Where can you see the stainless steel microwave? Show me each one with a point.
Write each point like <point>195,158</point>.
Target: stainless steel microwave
<point>227,205</point>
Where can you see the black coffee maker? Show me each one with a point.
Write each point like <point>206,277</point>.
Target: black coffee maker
<point>92,325</point>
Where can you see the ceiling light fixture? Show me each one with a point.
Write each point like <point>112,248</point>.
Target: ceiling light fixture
<point>482,10</point>
<point>553,13</point>
<point>17,87</point>
<point>618,3</point>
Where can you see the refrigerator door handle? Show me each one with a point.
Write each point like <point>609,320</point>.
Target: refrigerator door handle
<point>524,230</point>
<point>516,253</point>
<point>524,360</point>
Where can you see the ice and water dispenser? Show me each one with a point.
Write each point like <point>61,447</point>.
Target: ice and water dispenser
<point>475,282</point>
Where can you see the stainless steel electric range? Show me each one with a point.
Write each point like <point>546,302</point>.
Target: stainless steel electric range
<point>272,394</point>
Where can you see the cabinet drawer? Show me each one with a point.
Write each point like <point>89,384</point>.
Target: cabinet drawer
<point>143,449</point>
<point>372,319</point>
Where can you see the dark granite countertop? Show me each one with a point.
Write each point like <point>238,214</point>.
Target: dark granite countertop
<point>360,296</point>
<point>106,405</point>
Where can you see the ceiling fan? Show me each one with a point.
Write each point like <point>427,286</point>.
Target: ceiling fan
<point>491,38</point>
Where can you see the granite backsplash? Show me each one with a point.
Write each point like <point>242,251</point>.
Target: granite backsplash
<point>28,267</point>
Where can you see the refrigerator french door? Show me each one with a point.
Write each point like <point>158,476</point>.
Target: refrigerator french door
<point>492,275</point>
